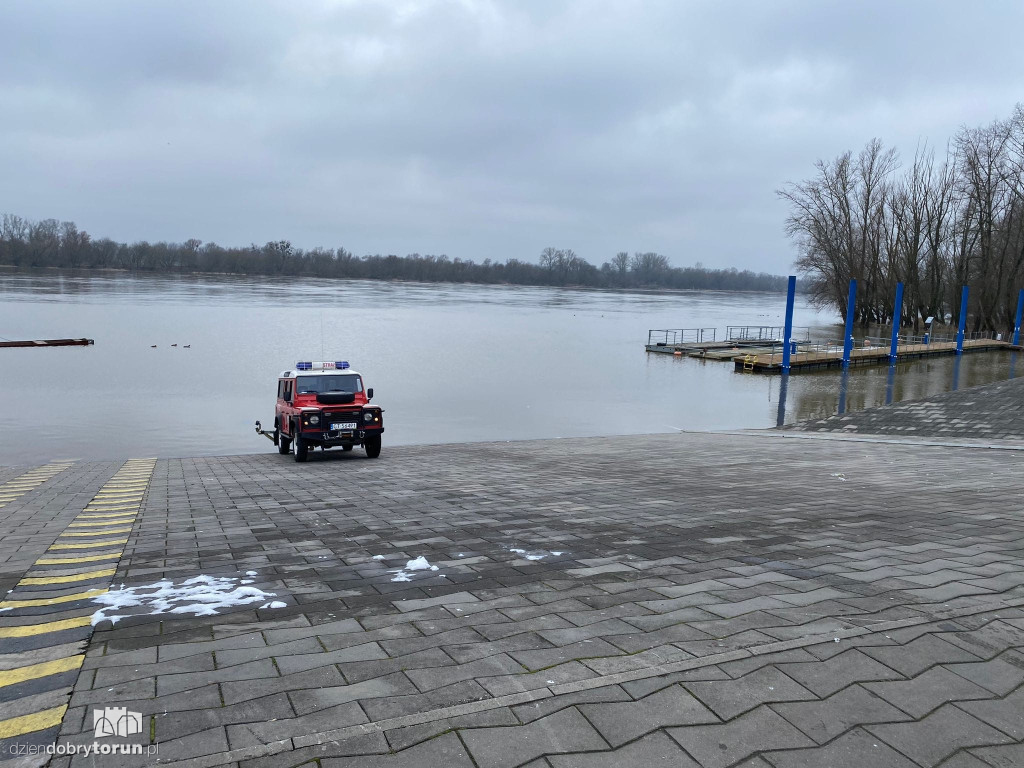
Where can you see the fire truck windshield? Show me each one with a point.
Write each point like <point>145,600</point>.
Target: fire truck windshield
<point>314,385</point>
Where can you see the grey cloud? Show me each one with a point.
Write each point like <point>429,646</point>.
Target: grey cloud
<point>478,129</point>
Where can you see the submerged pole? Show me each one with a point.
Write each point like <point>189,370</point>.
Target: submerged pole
<point>780,416</point>
<point>788,332</point>
<point>897,315</point>
<point>890,384</point>
<point>963,320</point>
<point>851,301</point>
<point>844,385</point>
<point>1020,312</point>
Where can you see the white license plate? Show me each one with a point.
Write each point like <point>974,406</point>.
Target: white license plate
<point>343,425</point>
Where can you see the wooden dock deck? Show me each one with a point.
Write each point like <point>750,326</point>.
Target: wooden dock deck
<point>716,350</point>
<point>832,357</point>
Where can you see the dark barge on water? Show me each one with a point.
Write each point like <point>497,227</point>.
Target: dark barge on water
<point>49,343</point>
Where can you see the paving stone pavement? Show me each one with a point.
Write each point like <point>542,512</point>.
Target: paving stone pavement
<point>691,600</point>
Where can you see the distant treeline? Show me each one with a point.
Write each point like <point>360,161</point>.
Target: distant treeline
<point>51,243</point>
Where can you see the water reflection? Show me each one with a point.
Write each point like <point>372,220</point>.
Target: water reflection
<point>780,417</point>
<point>822,394</point>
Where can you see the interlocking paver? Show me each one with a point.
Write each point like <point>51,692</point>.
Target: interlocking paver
<point>1006,714</point>
<point>919,654</point>
<point>655,749</point>
<point>445,751</point>
<point>622,722</point>
<point>927,691</point>
<point>718,746</point>
<point>825,720</point>
<point>855,749</point>
<point>939,735</point>
<point>826,677</point>
<point>729,698</point>
<point>565,731</point>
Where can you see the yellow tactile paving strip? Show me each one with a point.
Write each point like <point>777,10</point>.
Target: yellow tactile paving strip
<point>77,567</point>
<point>29,481</point>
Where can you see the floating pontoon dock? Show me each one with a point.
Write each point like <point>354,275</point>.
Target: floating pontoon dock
<point>758,349</point>
<point>821,356</point>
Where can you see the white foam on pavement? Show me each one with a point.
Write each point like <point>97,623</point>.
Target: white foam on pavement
<point>199,596</point>
<point>419,564</point>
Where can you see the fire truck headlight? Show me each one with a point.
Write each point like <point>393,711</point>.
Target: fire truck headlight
<point>368,416</point>
<point>314,420</point>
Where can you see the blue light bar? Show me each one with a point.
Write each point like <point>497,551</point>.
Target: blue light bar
<point>304,366</point>
<point>341,365</point>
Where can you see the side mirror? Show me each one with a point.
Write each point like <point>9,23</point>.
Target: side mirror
<point>369,394</point>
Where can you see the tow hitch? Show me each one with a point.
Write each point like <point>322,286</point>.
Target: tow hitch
<point>271,436</point>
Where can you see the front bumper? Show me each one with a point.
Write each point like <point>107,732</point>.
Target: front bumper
<point>340,438</point>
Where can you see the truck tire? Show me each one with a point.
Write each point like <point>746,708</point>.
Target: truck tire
<point>372,446</point>
<point>284,445</point>
<point>301,448</point>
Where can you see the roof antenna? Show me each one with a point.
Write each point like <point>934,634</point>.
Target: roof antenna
<point>322,334</point>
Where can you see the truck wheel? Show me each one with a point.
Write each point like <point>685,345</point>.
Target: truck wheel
<point>301,448</point>
<point>372,446</point>
<point>346,447</point>
<point>284,445</point>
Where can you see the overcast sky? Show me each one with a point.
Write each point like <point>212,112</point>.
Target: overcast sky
<point>476,129</point>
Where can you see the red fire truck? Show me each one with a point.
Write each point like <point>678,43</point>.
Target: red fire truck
<point>324,404</point>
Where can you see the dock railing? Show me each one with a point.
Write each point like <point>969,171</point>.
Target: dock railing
<point>764,333</point>
<point>672,337</point>
<point>810,352</point>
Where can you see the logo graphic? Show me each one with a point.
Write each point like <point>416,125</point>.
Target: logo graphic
<point>116,721</point>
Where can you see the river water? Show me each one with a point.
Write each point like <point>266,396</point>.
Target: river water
<point>448,363</point>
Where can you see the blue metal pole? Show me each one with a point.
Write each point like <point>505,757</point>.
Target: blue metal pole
<point>897,316</point>
<point>963,321</point>
<point>851,302</point>
<point>1020,313</point>
<point>788,333</point>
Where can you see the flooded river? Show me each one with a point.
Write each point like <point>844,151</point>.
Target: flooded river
<point>449,363</point>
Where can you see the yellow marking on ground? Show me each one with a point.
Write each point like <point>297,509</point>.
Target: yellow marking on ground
<point>73,560</point>
<point>122,521</point>
<point>28,580</point>
<point>43,669</point>
<point>113,508</point>
<point>37,721</point>
<point>52,600</point>
<point>29,630</point>
<point>115,515</point>
<point>90,545</point>
<point>79,534</point>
